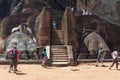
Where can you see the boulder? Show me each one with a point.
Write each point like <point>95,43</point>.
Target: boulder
<point>24,42</point>
<point>94,42</point>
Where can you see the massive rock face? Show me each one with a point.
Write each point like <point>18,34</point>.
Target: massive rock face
<point>109,32</point>
<point>108,10</point>
<point>12,21</point>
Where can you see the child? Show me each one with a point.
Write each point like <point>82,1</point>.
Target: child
<point>44,57</point>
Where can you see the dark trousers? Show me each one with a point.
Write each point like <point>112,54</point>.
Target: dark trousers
<point>115,61</point>
<point>13,63</point>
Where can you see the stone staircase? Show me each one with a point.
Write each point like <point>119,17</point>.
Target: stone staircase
<point>57,17</point>
<point>59,55</point>
<point>57,37</point>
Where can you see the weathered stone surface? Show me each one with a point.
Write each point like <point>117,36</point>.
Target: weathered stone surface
<point>94,42</point>
<point>7,6</point>
<point>12,21</point>
<point>109,10</point>
<point>109,32</point>
<point>86,6</point>
<point>69,29</point>
<point>43,28</point>
<point>35,7</point>
<point>24,42</point>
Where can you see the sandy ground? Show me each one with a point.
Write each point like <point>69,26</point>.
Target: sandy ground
<point>86,71</point>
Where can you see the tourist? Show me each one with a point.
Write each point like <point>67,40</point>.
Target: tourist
<point>100,57</point>
<point>13,54</point>
<point>44,57</point>
<point>54,25</point>
<point>115,54</point>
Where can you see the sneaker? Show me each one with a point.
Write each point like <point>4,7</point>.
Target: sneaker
<point>103,65</point>
<point>9,71</point>
<point>96,65</point>
<point>109,68</point>
<point>14,71</point>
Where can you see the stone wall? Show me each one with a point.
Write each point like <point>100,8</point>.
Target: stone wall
<point>69,29</point>
<point>43,27</point>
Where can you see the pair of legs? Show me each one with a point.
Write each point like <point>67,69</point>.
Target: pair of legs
<point>99,60</point>
<point>115,61</point>
<point>44,61</point>
<point>13,65</point>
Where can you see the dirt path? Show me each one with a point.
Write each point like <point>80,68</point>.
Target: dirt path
<point>80,72</point>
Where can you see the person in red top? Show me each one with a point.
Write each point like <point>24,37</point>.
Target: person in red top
<point>14,59</point>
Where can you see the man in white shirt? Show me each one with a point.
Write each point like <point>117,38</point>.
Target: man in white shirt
<point>115,58</point>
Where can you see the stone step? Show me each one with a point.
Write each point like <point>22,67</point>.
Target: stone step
<point>54,60</point>
<point>60,63</point>
<point>57,37</point>
<point>57,32</point>
<point>57,14</point>
<point>56,49</point>
<point>59,51</point>
<point>58,46</point>
<point>59,55</point>
<point>56,40</point>
<point>59,58</point>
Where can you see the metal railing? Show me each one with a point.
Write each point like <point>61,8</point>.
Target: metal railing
<point>89,57</point>
<point>33,56</point>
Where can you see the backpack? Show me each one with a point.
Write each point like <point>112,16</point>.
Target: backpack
<point>12,54</point>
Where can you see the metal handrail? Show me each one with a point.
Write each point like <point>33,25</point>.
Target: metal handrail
<point>23,56</point>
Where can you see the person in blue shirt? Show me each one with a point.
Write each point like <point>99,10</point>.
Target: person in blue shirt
<point>100,54</point>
